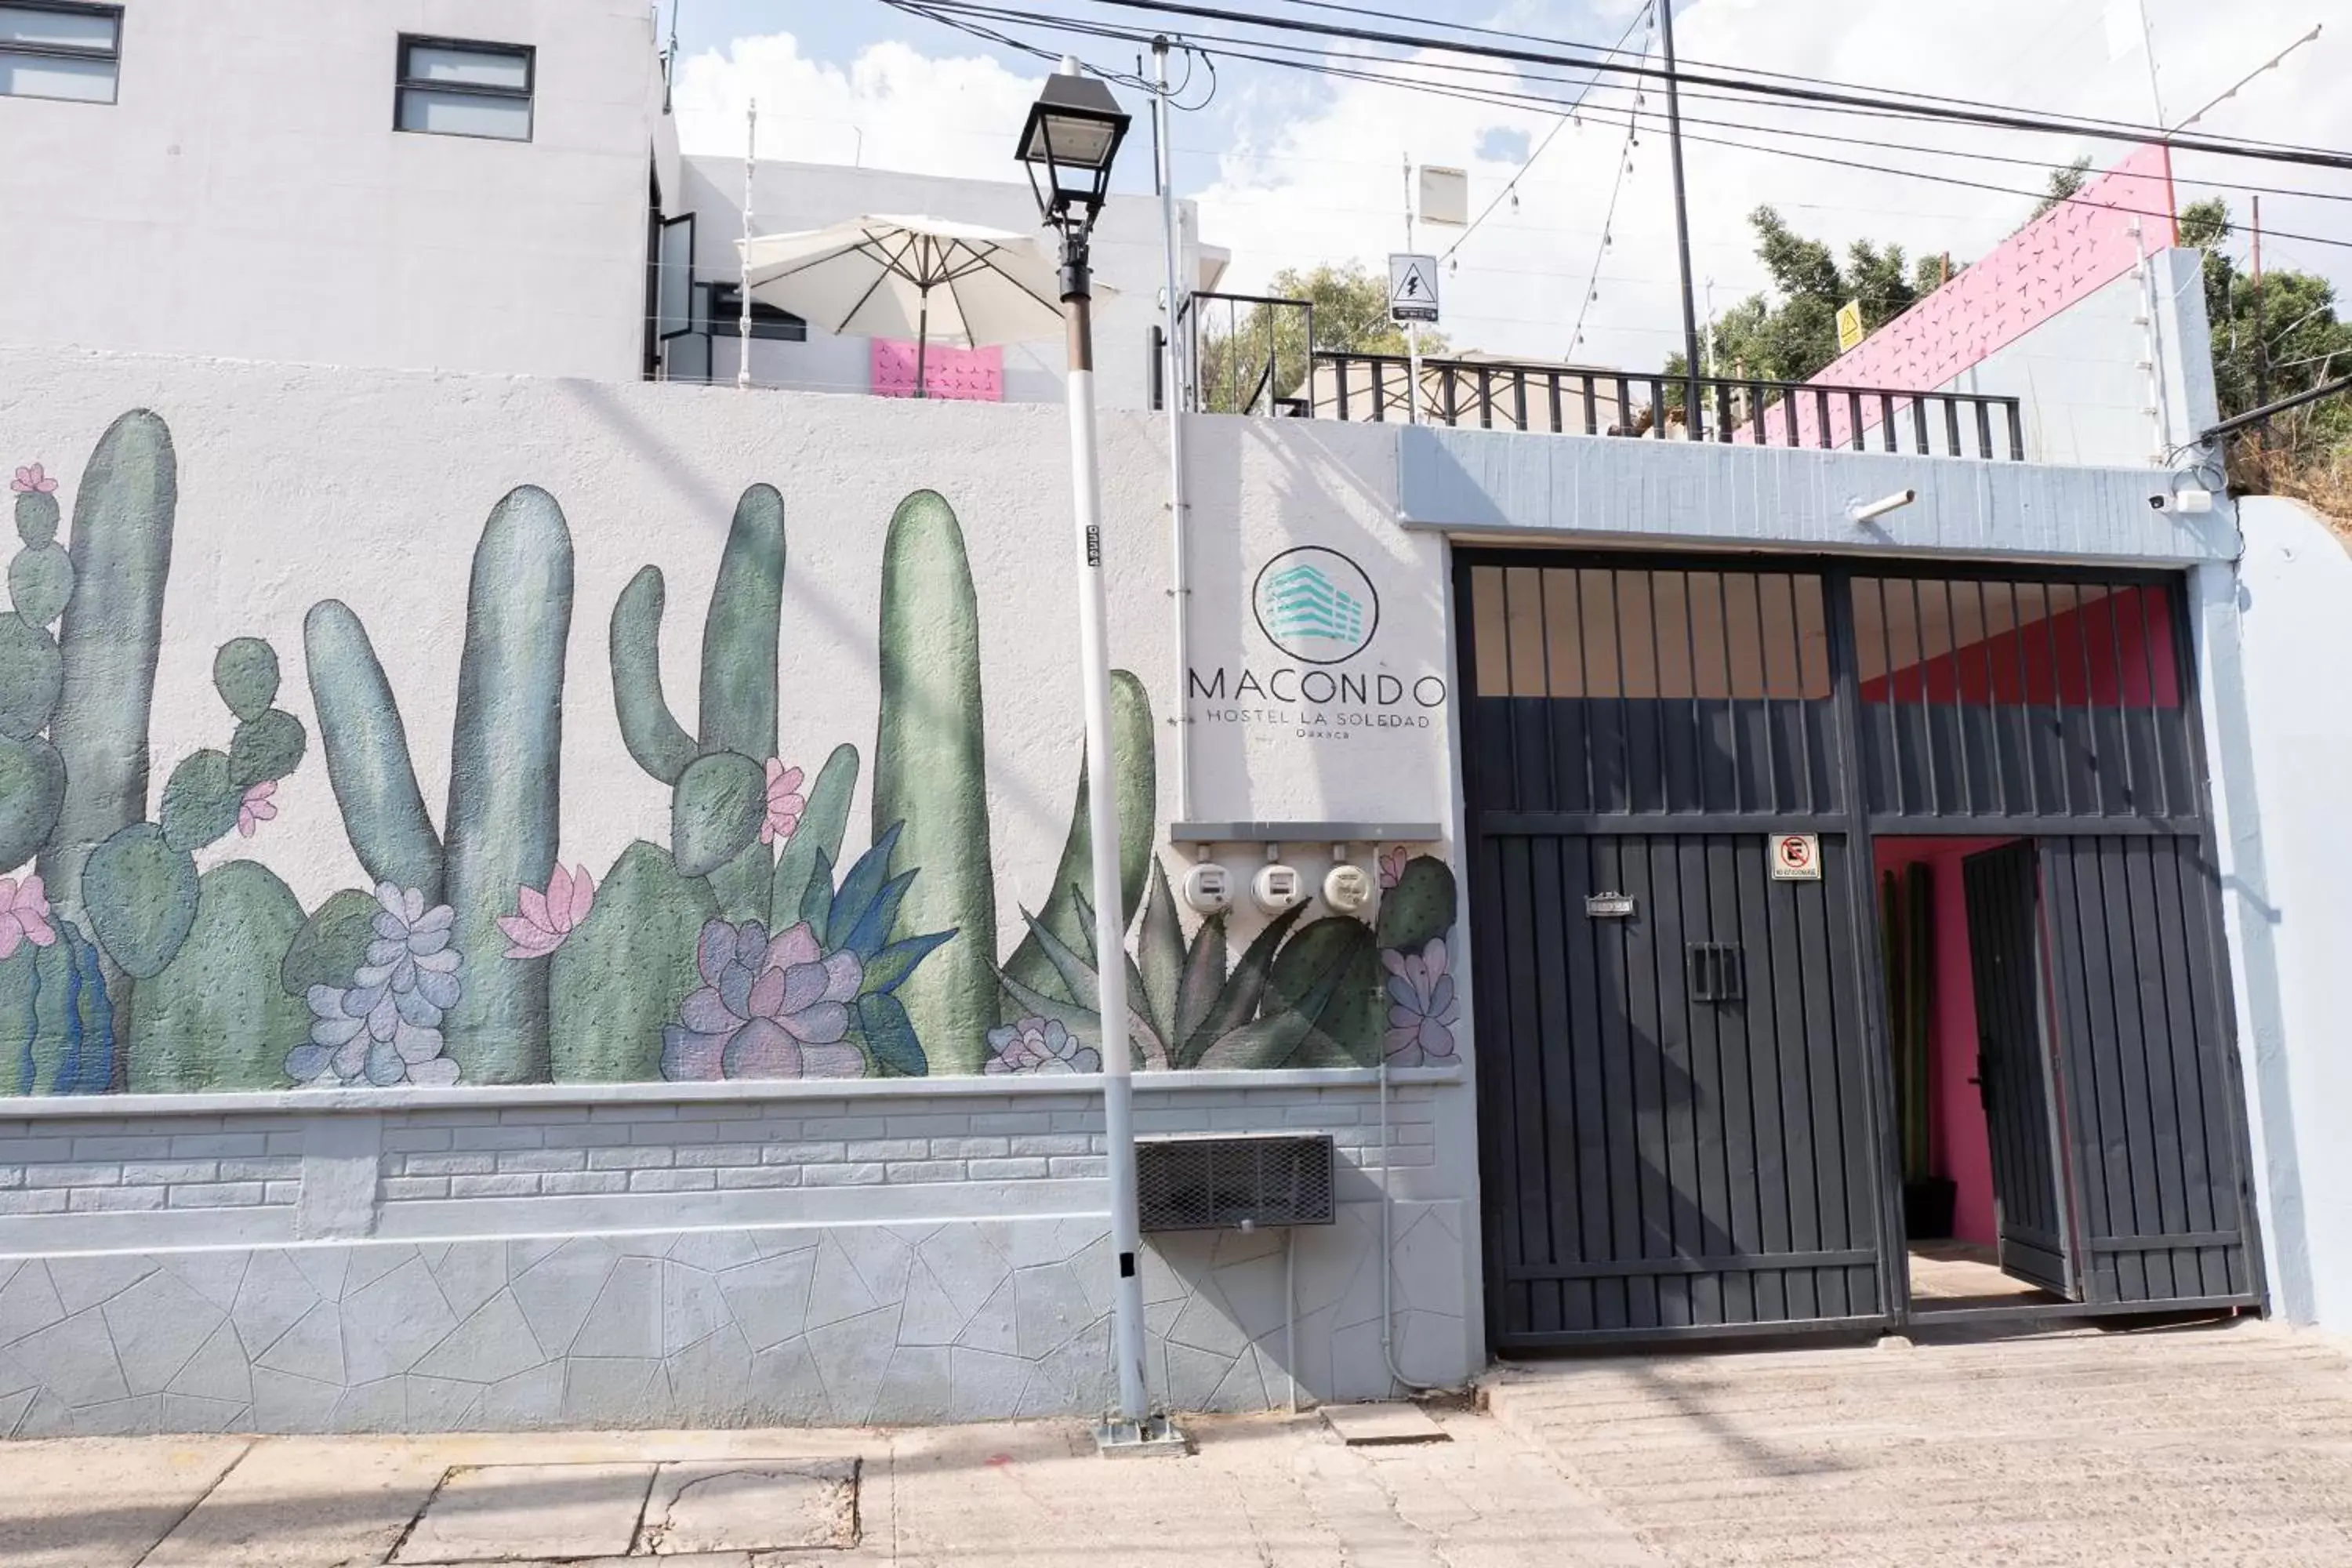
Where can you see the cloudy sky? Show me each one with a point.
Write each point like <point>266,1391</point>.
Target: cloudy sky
<point>1293,169</point>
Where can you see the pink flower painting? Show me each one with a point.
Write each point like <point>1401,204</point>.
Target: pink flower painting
<point>1392,867</point>
<point>547,918</point>
<point>31,480</point>
<point>24,915</point>
<point>256,809</point>
<point>785,802</point>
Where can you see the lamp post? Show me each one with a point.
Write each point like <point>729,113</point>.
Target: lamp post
<point>1068,146</point>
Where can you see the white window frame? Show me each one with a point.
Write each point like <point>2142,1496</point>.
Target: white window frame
<point>527,94</point>
<point>111,55</point>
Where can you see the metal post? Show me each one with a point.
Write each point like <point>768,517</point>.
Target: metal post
<point>743,284</point>
<point>1102,816</point>
<point>2262,344</point>
<point>1682,222</point>
<point>1412,328</point>
<point>1180,585</point>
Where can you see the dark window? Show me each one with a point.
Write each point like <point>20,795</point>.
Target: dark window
<point>767,321</point>
<point>49,49</point>
<point>450,87</point>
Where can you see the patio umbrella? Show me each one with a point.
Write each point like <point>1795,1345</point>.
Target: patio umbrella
<point>911,276</point>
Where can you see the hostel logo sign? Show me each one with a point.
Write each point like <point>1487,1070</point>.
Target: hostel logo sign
<point>1316,606</point>
<point>1319,613</point>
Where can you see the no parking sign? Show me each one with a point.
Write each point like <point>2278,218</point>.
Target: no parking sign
<point>1796,858</point>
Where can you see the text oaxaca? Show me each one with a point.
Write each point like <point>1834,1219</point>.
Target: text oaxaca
<point>1318,611</point>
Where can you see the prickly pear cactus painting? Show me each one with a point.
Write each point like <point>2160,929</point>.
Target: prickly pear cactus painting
<point>145,945</point>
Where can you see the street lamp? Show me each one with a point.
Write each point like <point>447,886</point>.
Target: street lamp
<point>1068,146</point>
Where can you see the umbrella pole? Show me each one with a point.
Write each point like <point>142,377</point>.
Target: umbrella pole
<point>922,344</point>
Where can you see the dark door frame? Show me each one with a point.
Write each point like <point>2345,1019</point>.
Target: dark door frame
<point>1855,819</point>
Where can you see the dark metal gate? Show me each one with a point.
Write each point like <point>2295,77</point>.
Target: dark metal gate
<point>1685,1100</point>
<point>2154,1139</point>
<point>2016,1078</point>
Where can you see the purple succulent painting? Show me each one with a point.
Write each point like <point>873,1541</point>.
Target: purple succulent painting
<point>1039,1046</point>
<point>1420,1006</point>
<point>768,1007</point>
<point>384,1027</point>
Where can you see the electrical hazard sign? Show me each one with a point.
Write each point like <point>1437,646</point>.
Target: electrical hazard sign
<point>1796,858</point>
<point>1412,287</point>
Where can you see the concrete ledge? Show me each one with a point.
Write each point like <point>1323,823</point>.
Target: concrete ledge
<point>313,1102</point>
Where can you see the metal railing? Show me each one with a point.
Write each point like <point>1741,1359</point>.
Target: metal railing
<point>1249,353</point>
<point>1570,400</point>
<point>1240,349</point>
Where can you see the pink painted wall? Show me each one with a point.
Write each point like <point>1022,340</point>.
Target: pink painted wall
<point>972,376</point>
<point>2055,261</point>
<point>2114,652</point>
<point>1963,1149</point>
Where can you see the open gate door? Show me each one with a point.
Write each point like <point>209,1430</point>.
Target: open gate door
<point>2149,1086</point>
<point>2013,1063</point>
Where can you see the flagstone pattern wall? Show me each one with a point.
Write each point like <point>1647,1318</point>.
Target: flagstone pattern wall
<point>643,1265</point>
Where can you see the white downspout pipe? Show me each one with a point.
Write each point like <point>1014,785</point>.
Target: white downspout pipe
<point>1179,569</point>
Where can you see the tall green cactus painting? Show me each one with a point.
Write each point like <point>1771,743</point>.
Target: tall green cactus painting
<point>504,772</point>
<point>745,937</point>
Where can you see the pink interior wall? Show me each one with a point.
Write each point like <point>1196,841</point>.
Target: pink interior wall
<point>1963,1150</point>
<point>2115,651</point>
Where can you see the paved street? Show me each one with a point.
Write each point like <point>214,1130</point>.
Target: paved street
<point>2205,1445</point>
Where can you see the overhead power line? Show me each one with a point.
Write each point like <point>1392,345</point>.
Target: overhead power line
<point>948,12</point>
<point>1503,99</point>
<point>1567,118</point>
<point>1990,116</point>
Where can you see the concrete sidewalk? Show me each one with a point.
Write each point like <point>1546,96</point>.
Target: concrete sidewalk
<point>1260,1492</point>
<point>2181,1446</point>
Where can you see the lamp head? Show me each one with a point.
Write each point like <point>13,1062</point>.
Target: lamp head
<point>1069,145</point>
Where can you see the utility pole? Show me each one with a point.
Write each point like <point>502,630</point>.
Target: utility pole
<point>2262,337</point>
<point>1691,424</point>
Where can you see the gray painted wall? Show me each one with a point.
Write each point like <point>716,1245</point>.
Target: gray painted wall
<point>647,1256</point>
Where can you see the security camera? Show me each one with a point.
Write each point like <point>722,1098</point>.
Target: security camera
<point>2191,498</point>
<point>2159,501</point>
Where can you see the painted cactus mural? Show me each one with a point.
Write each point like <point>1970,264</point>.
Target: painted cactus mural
<point>384,1027</point>
<point>108,644</point>
<point>738,943</point>
<point>721,824</point>
<point>1303,994</point>
<point>159,978</point>
<point>930,770</point>
<point>815,999</point>
<point>504,770</point>
<point>203,951</point>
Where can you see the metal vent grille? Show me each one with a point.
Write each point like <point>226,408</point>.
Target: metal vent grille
<point>1219,1184</point>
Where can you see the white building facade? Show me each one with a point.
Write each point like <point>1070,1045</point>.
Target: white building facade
<point>548,899</point>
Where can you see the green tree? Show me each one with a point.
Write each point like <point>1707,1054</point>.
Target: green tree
<point>2270,341</point>
<point>2283,335</point>
<point>2064,184</point>
<point>1792,333</point>
<point>1252,354</point>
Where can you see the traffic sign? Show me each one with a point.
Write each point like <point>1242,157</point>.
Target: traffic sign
<point>1796,858</point>
<point>1412,287</point>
